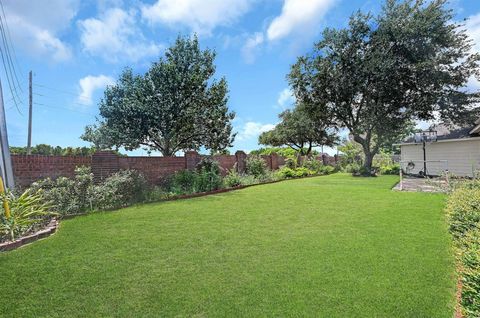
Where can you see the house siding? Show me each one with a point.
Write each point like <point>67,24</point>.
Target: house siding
<point>462,157</point>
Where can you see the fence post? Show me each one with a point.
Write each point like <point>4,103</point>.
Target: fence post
<point>274,160</point>
<point>104,164</point>
<point>241,158</point>
<point>192,158</point>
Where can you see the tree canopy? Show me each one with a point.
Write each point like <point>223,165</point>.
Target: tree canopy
<point>176,105</point>
<point>380,73</point>
<point>300,131</point>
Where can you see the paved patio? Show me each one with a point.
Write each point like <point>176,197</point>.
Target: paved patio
<point>414,184</point>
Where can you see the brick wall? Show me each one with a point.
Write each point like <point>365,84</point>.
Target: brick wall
<point>155,169</point>
<point>226,162</point>
<point>27,169</point>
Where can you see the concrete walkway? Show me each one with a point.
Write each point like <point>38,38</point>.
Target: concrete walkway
<point>421,185</point>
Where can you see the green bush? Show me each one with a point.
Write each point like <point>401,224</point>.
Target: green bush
<point>68,195</point>
<point>286,173</point>
<point>312,164</point>
<point>353,168</point>
<point>79,194</point>
<point>470,271</point>
<point>256,166</point>
<point>326,169</point>
<point>463,211</point>
<point>232,179</point>
<point>183,182</point>
<point>390,169</point>
<point>303,172</point>
<point>121,189</point>
<point>291,163</point>
<point>27,211</point>
<point>205,178</point>
<point>208,175</point>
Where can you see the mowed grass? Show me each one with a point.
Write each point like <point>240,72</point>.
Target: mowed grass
<point>332,246</point>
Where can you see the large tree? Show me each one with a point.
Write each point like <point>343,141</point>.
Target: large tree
<point>177,105</point>
<point>380,73</point>
<point>300,131</point>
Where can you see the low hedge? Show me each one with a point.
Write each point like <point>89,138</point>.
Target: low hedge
<point>463,213</point>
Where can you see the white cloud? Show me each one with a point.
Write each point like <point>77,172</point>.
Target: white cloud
<point>114,36</point>
<point>199,15</point>
<point>36,26</point>
<point>89,84</point>
<point>251,130</point>
<point>473,30</point>
<point>472,27</point>
<point>298,15</point>
<point>250,47</point>
<point>286,98</point>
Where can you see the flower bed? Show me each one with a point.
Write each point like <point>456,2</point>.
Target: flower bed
<point>50,229</point>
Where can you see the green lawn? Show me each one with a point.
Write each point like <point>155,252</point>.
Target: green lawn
<point>332,246</point>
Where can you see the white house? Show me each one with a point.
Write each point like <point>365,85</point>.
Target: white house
<point>457,151</point>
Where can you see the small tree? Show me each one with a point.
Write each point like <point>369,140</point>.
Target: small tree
<point>378,74</point>
<point>177,105</point>
<point>300,131</point>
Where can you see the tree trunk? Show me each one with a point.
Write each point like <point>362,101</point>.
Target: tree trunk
<point>367,165</point>
<point>369,154</point>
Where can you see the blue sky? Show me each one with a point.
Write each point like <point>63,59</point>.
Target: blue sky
<point>76,47</point>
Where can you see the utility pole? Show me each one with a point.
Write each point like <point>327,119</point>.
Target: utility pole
<point>6,169</point>
<point>29,142</point>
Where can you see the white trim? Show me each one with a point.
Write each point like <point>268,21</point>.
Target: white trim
<point>445,140</point>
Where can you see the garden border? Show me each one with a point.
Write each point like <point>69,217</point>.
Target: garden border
<point>53,225</point>
<point>43,233</point>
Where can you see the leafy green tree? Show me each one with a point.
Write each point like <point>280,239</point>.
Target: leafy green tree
<point>380,73</point>
<point>177,105</point>
<point>286,152</point>
<point>48,150</point>
<point>300,131</point>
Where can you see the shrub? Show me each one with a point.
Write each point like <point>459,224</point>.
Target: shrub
<point>326,169</point>
<point>463,211</point>
<point>256,166</point>
<point>291,163</point>
<point>183,182</point>
<point>68,196</point>
<point>208,175</point>
<point>205,178</point>
<point>232,179</point>
<point>390,169</point>
<point>286,173</point>
<point>352,168</point>
<point>470,271</point>
<point>303,172</point>
<point>312,164</point>
<point>27,211</point>
<point>121,189</point>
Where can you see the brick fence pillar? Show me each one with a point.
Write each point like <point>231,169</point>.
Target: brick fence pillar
<point>104,164</point>
<point>192,158</point>
<point>241,158</point>
<point>275,161</point>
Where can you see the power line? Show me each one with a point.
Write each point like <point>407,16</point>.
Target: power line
<point>7,45</point>
<point>8,66</point>
<point>10,37</point>
<point>61,91</point>
<point>12,91</point>
<point>46,96</point>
